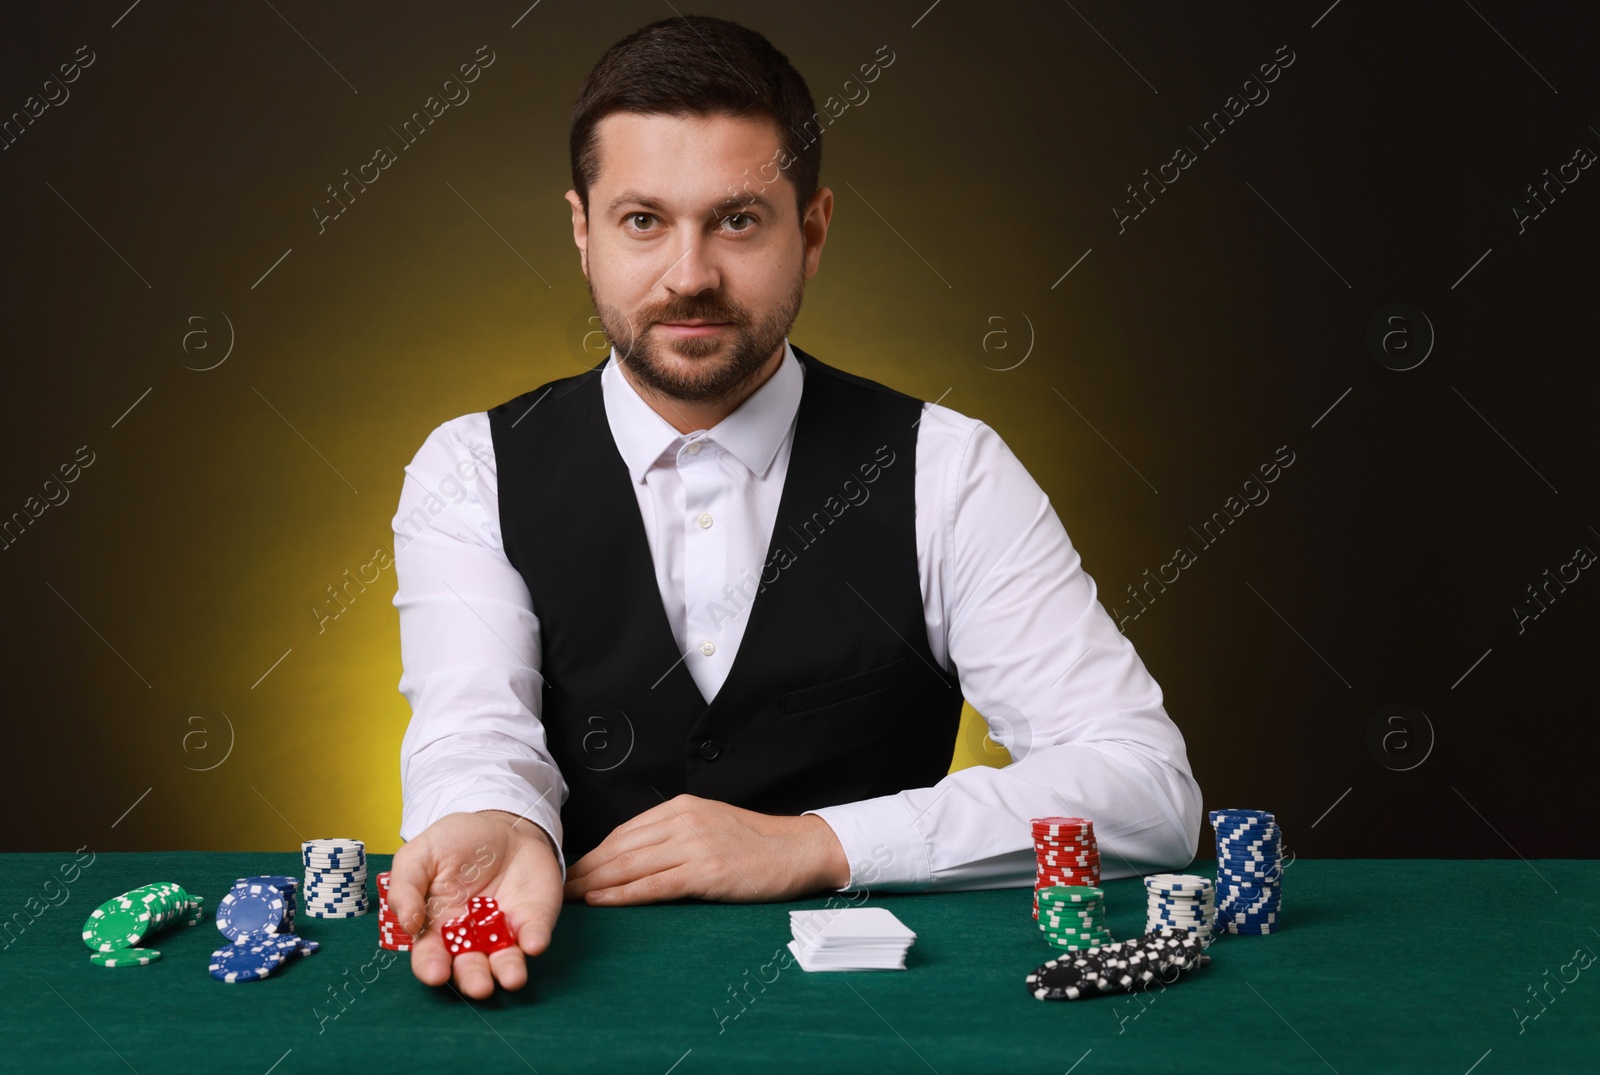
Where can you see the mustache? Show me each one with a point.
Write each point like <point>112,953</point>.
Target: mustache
<point>694,312</point>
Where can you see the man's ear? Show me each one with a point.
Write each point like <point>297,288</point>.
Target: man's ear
<point>580,229</point>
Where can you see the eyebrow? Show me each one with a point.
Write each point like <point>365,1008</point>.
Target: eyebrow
<point>733,202</point>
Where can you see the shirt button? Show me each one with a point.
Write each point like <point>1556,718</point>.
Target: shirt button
<point>694,449</point>
<point>708,647</point>
<point>709,750</point>
<point>704,521</point>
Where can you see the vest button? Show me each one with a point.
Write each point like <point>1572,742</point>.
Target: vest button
<point>709,750</point>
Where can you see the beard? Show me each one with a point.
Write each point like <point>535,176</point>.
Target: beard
<point>699,369</point>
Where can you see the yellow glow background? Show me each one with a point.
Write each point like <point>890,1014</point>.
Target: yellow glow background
<point>178,665</point>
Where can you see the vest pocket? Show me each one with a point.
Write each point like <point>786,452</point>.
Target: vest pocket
<point>846,689</point>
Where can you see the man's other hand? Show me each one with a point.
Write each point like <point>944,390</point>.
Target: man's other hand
<point>694,847</point>
<point>480,854</point>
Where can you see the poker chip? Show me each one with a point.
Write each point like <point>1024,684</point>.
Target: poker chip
<point>1180,900</point>
<point>1066,854</point>
<point>391,934</point>
<point>1072,916</point>
<point>258,914</point>
<point>1118,967</point>
<point>1249,871</point>
<point>123,922</point>
<point>247,962</point>
<point>125,957</point>
<point>250,908</point>
<point>335,878</point>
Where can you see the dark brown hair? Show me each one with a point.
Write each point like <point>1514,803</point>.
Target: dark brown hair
<point>702,66</point>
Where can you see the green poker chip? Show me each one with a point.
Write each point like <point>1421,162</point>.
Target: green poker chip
<point>117,923</point>
<point>126,957</point>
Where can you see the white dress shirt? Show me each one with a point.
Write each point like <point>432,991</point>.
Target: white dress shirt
<point>1005,596</point>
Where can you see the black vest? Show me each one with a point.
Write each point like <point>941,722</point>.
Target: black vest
<point>834,695</point>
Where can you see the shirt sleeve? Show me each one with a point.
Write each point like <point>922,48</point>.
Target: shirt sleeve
<point>1061,688</point>
<point>469,645</point>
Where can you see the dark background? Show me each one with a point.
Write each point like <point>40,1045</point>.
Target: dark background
<point>168,682</point>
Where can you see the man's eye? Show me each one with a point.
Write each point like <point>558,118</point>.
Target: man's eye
<point>635,217</point>
<point>750,221</point>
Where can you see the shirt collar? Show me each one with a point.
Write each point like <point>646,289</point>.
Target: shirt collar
<point>752,434</point>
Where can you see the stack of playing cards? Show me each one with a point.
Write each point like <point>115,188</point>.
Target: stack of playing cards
<point>849,938</point>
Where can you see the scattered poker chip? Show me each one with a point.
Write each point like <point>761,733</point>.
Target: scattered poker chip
<point>124,921</point>
<point>258,915</point>
<point>125,957</point>
<point>245,962</point>
<point>1119,967</point>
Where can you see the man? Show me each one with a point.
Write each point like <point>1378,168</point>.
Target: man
<point>691,626</point>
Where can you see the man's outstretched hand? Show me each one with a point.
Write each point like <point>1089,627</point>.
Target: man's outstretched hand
<point>483,854</point>
<point>694,847</point>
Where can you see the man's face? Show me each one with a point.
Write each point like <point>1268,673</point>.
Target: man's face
<point>674,235</point>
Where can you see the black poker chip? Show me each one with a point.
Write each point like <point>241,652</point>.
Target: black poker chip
<point>1120,967</point>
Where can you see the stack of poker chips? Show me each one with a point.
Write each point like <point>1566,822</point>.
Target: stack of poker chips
<point>114,930</point>
<point>336,878</point>
<point>1072,917</point>
<point>482,929</point>
<point>1180,900</point>
<point>1249,871</point>
<point>1118,968</point>
<point>391,934</point>
<point>257,916</point>
<point>1067,854</point>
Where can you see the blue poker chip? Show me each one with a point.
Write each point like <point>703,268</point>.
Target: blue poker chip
<point>245,962</point>
<point>250,909</point>
<point>307,947</point>
<point>1246,914</point>
<point>287,944</point>
<point>282,882</point>
<point>1233,815</point>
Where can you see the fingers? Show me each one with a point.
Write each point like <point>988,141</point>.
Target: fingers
<point>430,960</point>
<point>472,975</point>
<point>409,878</point>
<point>671,884</point>
<point>625,838</point>
<point>530,893</point>
<point>627,866</point>
<point>510,968</point>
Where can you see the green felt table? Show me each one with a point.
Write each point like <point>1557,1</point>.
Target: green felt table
<point>1381,966</point>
